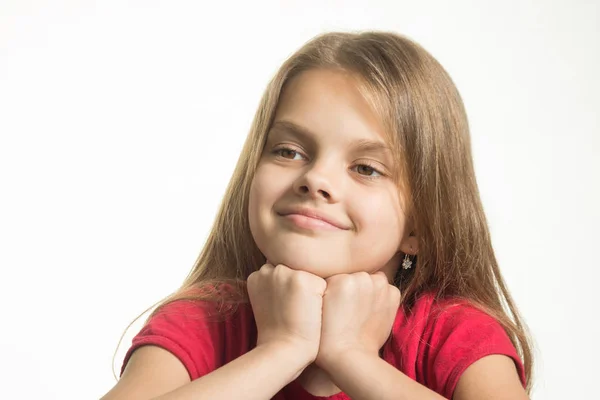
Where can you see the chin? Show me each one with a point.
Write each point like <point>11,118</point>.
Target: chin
<point>312,262</point>
<point>322,271</point>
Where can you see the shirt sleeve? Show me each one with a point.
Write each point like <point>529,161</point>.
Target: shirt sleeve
<point>457,337</point>
<point>186,329</point>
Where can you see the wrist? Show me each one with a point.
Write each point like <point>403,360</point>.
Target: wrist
<point>329,358</point>
<point>296,352</point>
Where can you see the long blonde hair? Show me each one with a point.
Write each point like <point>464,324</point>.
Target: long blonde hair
<point>427,124</point>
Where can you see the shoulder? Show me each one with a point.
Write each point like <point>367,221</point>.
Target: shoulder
<point>459,318</point>
<point>446,336</point>
<point>450,316</point>
<point>197,333</point>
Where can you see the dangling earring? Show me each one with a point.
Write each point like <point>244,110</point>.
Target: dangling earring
<point>407,263</point>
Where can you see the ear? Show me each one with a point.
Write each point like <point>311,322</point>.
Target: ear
<point>410,245</point>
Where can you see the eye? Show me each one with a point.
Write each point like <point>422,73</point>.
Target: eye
<point>287,153</point>
<point>368,171</point>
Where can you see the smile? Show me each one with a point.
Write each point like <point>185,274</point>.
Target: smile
<point>309,218</point>
<point>307,222</point>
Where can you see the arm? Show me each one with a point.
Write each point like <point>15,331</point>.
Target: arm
<point>154,373</point>
<point>364,376</point>
<point>461,360</point>
<point>492,377</point>
<point>287,309</point>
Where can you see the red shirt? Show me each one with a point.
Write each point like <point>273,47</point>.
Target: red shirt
<point>433,344</point>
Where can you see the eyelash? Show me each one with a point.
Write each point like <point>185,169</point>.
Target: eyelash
<point>367,164</point>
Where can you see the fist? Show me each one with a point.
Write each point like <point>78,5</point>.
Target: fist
<point>287,306</point>
<point>358,313</point>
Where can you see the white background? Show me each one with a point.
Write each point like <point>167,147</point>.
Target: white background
<point>121,122</point>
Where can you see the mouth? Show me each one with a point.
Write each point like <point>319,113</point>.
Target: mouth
<point>312,219</point>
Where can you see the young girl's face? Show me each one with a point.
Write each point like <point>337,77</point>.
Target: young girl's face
<point>323,199</point>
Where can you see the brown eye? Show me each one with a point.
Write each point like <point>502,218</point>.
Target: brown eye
<point>365,170</point>
<point>287,153</point>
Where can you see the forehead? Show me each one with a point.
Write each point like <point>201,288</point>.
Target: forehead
<point>329,103</point>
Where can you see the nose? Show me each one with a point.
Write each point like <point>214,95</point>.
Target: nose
<point>318,182</point>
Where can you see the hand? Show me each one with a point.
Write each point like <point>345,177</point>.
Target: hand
<point>287,306</point>
<point>358,313</point>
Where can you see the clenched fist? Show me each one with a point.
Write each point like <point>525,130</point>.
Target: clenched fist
<point>287,306</point>
<point>358,313</point>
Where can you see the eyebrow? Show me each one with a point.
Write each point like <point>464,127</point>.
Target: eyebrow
<point>366,145</point>
<point>293,128</point>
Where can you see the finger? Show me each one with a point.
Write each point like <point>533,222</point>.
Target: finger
<point>280,269</point>
<point>251,277</point>
<point>380,280</point>
<point>266,269</point>
<point>334,278</point>
<point>320,285</point>
<point>394,296</point>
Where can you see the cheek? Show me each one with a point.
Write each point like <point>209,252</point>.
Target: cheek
<point>252,209</point>
<point>380,217</point>
<point>256,201</point>
<point>266,187</point>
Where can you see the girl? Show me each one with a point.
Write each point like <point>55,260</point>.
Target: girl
<point>351,256</point>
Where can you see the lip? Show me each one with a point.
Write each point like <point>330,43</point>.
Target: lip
<point>312,218</point>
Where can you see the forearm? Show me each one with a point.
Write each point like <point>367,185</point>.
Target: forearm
<point>256,375</point>
<point>367,377</point>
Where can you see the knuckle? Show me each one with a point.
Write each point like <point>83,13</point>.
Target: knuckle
<point>282,273</point>
<point>358,279</point>
<point>265,269</point>
<point>333,279</point>
<point>297,282</point>
<point>252,277</point>
<point>350,284</point>
<point>279,268</point>
<point>322,286</point>
<point>380,280</point>
<point>362,275</point>
<point>299,279</point>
